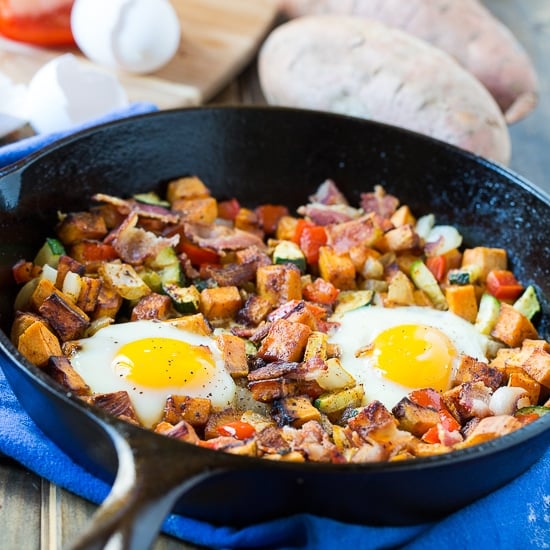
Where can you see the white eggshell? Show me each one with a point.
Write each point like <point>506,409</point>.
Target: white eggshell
<point>66,92</point>
<point>12,106</point>
<point>137,36</point>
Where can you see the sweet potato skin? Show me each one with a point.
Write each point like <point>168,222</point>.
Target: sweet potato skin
<point>360,67</point>
<point>465,29</point>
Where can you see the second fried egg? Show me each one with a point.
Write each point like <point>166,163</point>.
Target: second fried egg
<point>392,351</point>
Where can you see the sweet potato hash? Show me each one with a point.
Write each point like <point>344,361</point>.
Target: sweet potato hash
<point>269,291</point>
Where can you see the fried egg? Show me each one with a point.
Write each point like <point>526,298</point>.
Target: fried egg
<point>392,351</point>
<point>152,360</point>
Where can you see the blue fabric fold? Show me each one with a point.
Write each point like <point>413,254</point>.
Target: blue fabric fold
<point>515,516</point>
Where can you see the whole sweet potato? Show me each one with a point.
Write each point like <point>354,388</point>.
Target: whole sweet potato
<point>363,68</point>
<point>465,29</point>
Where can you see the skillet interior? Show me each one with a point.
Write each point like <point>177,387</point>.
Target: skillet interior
<point>280,155</point>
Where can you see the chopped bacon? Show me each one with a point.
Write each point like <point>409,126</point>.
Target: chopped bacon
<point>271,441</point>
<point>362,231</point>
<point>229,274</point>
<point>379,202</point>
<point>468,400</point>
<point>312,441</point>
<point>182,431</point>
<point>324,214</point>
<point>221,237</point>
<point>273,370</point>
<point>134,245</point>
<point>145,210</point>
<point>328,193</point>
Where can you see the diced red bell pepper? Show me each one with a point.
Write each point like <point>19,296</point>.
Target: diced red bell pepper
<point>23,271</point>
<point>197,255</point>
<point>269,216</point>
<point>503,285</point>
<point>438,266</point>
<point>427,397</point>
<point>228,210</point>
<point>312,239</point>
<point>301,224</point>
<point>320,291</point>
<point>237,429</point>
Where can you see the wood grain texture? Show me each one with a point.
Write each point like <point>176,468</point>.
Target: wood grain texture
<point>219,38</point>
<point>35,514</point>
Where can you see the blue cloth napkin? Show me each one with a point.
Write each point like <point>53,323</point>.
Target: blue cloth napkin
<point>515,516</point>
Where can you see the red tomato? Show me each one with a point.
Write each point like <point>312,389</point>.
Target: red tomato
<point>312,238</point>
<point>197,255</point>
<point>36,26</point>
<point>320,291</point>
<point>438,266</point>
<point>237,429</point>
<point>269,216</point>
<point>503,285</point>
<point>228,210</point>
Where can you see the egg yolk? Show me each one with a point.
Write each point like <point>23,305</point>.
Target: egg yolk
<point>162,362</point>
<point>415,356</point>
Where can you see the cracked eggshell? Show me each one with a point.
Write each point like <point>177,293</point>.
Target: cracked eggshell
<point>12,106</point>
<point>66,92</point>
<point>137,36</point>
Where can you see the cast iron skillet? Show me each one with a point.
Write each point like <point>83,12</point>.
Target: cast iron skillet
<point>265,155</point>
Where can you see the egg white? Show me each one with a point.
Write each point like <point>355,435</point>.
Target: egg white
<point>358,328</point>
<point>93,359</point>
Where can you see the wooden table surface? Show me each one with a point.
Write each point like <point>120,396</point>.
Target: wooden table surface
<point>35,514</point>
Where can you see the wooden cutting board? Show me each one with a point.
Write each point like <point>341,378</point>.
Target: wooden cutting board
<point>219,38</point>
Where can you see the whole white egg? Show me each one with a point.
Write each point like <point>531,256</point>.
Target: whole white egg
<point>137,36</point>
<point>65,92</point>
<point>152,360</point>
<point>393,351</point>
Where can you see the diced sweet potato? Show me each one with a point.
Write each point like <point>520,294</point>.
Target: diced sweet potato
<point>218,419</point>
<point>190,187</point>
<point>197,210</point>
<point>255,310</point>
<point>512,327</point>
<point>285,341</point>
<point>220,303</point>
<point>233,354</point>
<point>401,238</point>
<point>471,370</point>
<point>462,301</point>
<point>336,269</point>
<point>108,303</point>
<point>67,320</point>
<point>403,216</point>
<point>38,343</point>
<point>77,226</point>
<point>43,290</point>
<point>61,370</point>
<point>194,410</point>
<point>266,391</point>
<point>196,323</point>
<point>492,427</point>
<point>486,259</point>
<point>89,293</point>
<point>66,264</point>
<point>520,379</point>
<point>295,411</point>
<point>279,283</point>
<point>415,418</point>
<point>152,306</point>
<point>23,320</point>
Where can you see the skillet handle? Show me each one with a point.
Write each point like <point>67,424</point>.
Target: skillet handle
<point>150,479</point>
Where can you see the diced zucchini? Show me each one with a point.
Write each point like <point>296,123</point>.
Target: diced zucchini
<point>424,280</point>
<point>151,198</point>
<point>487,314</point>
<point>335,377</point>
<point>151,278</point>
<point>466,275</point>
<point>349,300</point>
<point>168,266</point>
<point>528,303</point>
<point>184,299</point>
<point>288,252</point>
<point>50,252</point>
<point>337,401</point>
